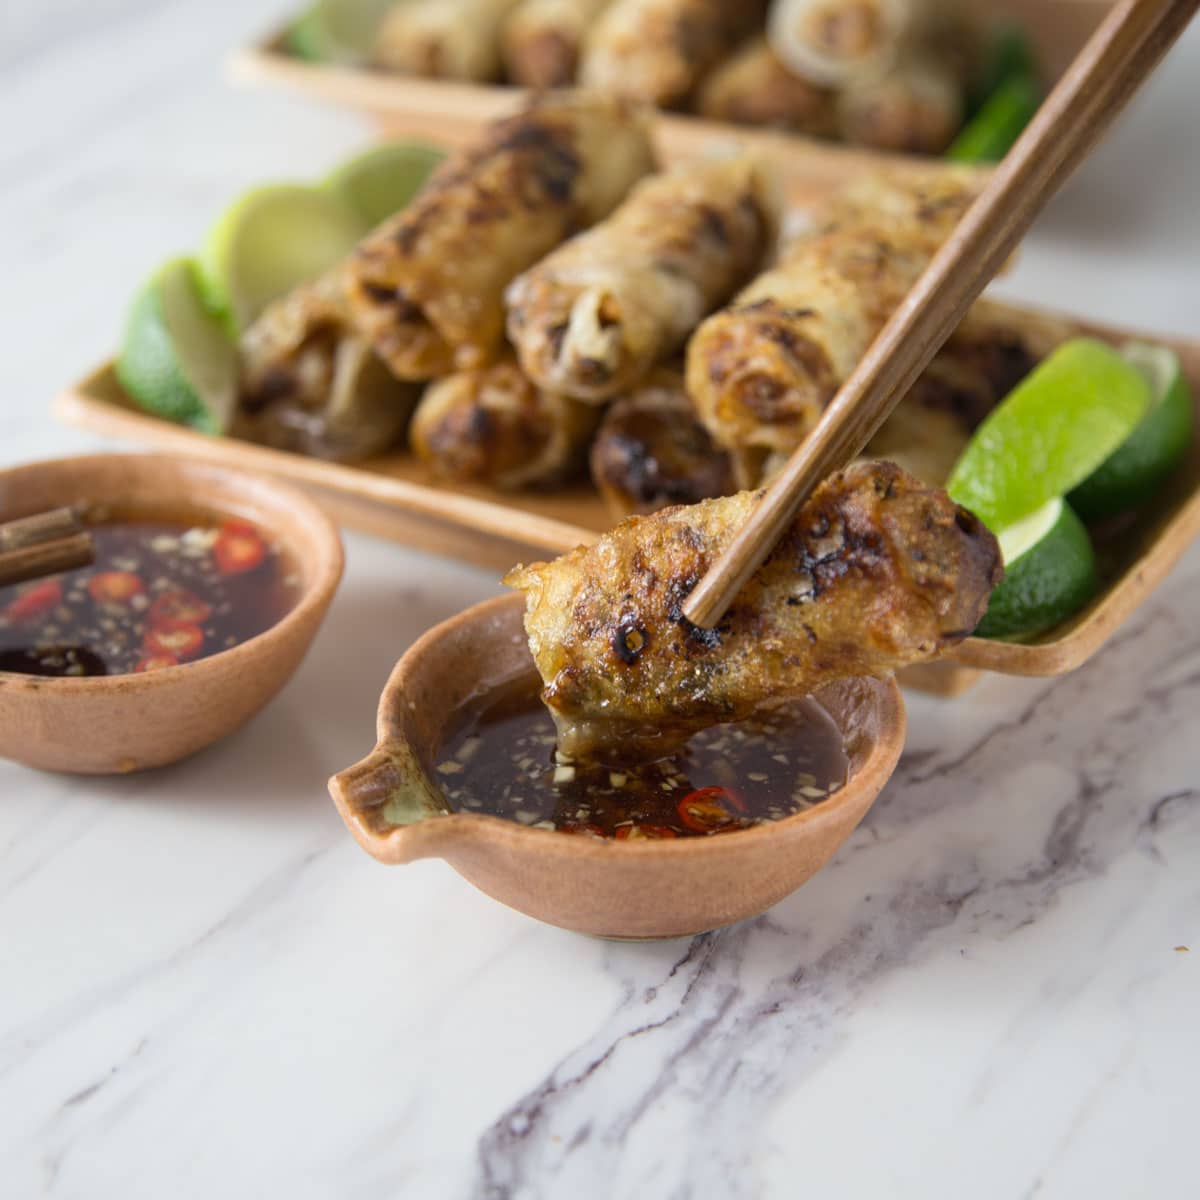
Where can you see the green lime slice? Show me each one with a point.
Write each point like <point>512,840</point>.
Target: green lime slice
<point>270,240</point>
<point>177,360</point>
<point>1050,432</point>
<point>1138,467</point>
<point>382,180</point>
<point>1049,574</point>
<point>989,135</point>
<point>339,31</point>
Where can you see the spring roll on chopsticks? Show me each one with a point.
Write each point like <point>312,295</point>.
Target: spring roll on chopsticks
<point>596,314</point>
<point>492,425</point>
<point>761,371</point>
<point>310,384</point>
<point>752,87</point>
<point>427,286</point>
<point>543,38</point>
<point>657,51</point>
<point>442,39</point>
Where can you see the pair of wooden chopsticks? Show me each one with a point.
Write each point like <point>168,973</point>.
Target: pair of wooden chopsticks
<point>1120,55</point>
<point>44,544</point>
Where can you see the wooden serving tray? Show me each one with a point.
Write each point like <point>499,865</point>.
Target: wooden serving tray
<point>395,497</point>
<point>449,113</point>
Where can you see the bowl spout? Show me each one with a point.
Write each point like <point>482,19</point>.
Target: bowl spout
<point>384,799</point>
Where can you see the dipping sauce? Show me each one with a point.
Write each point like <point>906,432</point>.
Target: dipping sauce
<point>158,594</point>
<point>728,777</point>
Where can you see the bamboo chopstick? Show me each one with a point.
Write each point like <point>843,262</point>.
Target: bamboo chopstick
<point>44,544</point>
<point>1116,60</point>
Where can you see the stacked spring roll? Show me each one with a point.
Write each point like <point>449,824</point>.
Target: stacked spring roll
<point>427,287</point>
<point>598,313</point>
<point>543,40</point>
<point>443,39</point>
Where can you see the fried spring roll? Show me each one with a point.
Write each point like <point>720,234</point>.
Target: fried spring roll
<point>543,38</point>
<point>875,572</point>
<point>492,425</point>
<point>310,384</point>
<point>753,87</point>
<point>651,450</point>
<point>442,39</point>
<point>427,287</point>
<point>596,314</point>
<point>834,41</point>
<point>761,371</point>
<point>657,51</point>
<point>915,106</point>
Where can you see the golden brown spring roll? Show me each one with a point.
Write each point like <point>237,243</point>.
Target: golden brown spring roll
<point>442,39</point>
<point>915,106</point>
<point>310,384</point>
<point>543,38</point>
<point>753,87</point>
<point>596,314</point>
<point>427,287</point>
<point>651,450</point>
<point>834,41</point>
<point>761,371</point>
<point>657,51</point>
<point>492,425</point>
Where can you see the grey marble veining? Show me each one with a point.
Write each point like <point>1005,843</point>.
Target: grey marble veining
<point>209,990</point>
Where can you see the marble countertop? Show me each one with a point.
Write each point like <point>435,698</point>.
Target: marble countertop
<point>209,990</point>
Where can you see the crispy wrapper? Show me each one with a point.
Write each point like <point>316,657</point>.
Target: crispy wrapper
<point>753,87</point>
<point>543,39</point>
<point>442,39</point>
<point>492,425</point>
<point>875,572</point>
<point>761,371</point>
<point>657,51</point>
<point>595,315</point>
<point>309,383</point>
<point>427,286</point>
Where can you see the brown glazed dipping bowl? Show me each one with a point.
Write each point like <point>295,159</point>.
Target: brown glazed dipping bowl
<point>617,889</point>
<point>117,723</point>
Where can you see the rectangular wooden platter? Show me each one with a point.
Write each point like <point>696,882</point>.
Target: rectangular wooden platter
<point>449,112</point>
<point>395,497</point>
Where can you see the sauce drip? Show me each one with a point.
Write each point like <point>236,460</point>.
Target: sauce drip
<point>725,778</point>
<point>159,593</point>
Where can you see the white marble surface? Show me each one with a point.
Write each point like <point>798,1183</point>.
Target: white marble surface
<point>208,990</point>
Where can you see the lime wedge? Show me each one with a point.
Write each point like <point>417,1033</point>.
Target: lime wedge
<point>177,361</point>
<point>268,241</point>
<point>1050,432</point>
<point>1049,574</point>
<point>339,31</point>
<point>382,180</point>
<point>990,133</point>
<point>1138,467</point>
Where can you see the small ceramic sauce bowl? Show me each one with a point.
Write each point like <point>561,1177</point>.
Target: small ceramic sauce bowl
<point>631,889</point>
<point>117,723</point>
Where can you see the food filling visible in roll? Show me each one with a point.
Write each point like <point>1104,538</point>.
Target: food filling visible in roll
<point>543,38</point>
<point>492,425</point>
<point>595,315</point>
<point>427,287</point>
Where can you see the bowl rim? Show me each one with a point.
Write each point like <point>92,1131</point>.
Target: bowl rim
<point>324,561</point>
<point>870,778</point>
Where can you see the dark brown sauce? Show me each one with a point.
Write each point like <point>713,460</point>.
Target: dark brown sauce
<point>159,593</point>
<point>728,777</point>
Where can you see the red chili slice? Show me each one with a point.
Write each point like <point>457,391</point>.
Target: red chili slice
<point>710,810</point>
<point>238,548</point>
<point>177,608</point>
<point>641,832</point>
<point>36,599</point>
<point>114,587</point>
<point>156,662</point>
<point>182,642</point>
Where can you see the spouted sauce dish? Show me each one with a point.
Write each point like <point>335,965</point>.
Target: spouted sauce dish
<point>727,777</point>
<point>159,593</point>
